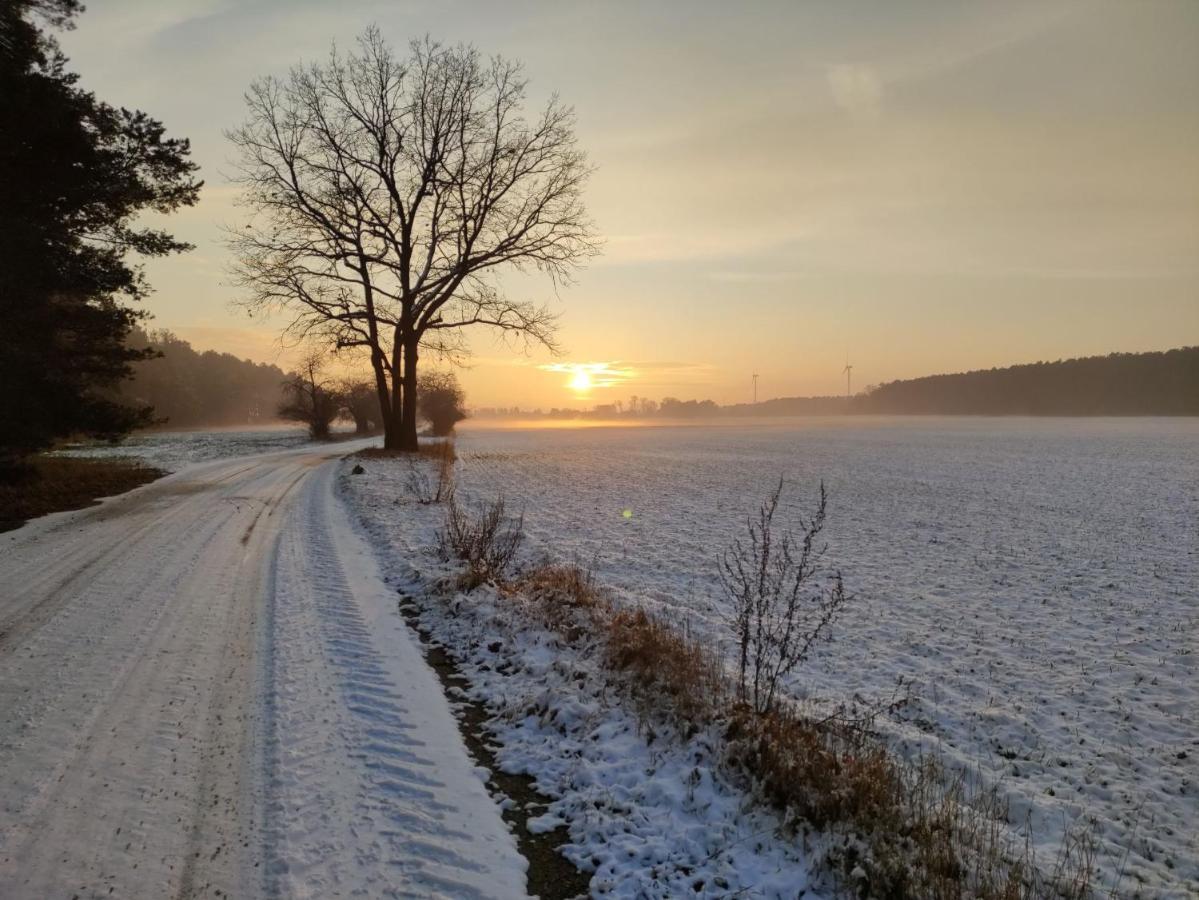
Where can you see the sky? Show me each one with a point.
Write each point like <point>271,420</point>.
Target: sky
<point>912,187</point>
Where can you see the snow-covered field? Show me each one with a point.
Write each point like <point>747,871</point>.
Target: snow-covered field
<point>172,450</point>
<point>1036,580</point>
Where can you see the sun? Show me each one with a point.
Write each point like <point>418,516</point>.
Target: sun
<point>586,378</point>
<point>580,381</point>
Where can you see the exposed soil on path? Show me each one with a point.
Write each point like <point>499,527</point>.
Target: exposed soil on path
<point>60,483</point>
<point>551,875</point>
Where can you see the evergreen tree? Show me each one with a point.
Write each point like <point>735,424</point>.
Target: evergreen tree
<point>74,175</point>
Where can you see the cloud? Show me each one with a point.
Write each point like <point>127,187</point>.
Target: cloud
<point>857,89</point>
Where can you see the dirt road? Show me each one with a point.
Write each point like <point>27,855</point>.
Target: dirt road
<point>204,692</point>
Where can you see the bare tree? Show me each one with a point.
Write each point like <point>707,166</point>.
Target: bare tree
<point>781,606</point>
<point>310,398</point>
<point>385,194</point>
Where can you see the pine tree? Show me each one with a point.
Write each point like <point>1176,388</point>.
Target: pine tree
<point>74,175</point>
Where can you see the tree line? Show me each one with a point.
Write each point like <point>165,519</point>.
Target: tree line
<point>316,399</point>
<point>187,388</point>
<point>1120,384</point>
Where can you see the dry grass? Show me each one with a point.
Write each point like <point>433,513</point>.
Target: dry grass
<point>903,829</point>
<point>59,483</point>
<point>668,668</point>
<point>486,538</point>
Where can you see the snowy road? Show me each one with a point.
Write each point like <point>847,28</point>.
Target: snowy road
<point>205,692</point>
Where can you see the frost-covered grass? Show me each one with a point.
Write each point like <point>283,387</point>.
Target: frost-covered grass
<point>1035,580</point>
<point>648,815</point>
<point>845,805</point>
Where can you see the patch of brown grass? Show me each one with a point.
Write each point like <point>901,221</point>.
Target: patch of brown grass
<point>562,597</point>
<point>667,666</point>
<point>908,830</point>
<point>60,483</point>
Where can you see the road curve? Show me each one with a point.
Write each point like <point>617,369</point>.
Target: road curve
<point>138,680</point>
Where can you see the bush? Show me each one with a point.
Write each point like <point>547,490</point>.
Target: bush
<point>440,400</point>
<point>419,484</point>
<point>781,604</point>
<point>486,541</point>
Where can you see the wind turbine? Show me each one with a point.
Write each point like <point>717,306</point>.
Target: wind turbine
<point>848,370</point>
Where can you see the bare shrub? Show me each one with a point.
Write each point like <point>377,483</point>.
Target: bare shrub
<point>781,604</point>
<point>421,486</point>
<point>486,539</point>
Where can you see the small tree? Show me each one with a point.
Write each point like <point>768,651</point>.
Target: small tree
<point>361,403</point>
<point>310,399</point>
<point>486,539</point>
<point>440,400</point>
<point>782,600</point>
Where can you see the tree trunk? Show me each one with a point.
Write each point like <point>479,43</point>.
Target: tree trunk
<point>385,405</point>
<point>393,413</point>
<point>408,441</point>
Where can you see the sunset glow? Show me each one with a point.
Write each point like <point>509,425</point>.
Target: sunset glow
<point>582,378</point>
<point>903,189</point>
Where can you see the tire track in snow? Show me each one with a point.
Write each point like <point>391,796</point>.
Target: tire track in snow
<point>370,789</point>
<point>129,688</point>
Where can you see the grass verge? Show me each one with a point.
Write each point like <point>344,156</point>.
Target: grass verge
<point>896,828</point>
<point>60,483</point>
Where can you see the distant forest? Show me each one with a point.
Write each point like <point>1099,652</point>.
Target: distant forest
<point>1120,384</point>
<point>189,389</point>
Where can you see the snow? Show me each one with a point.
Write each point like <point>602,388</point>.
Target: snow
<point>205,684</point>
<point>372,793</point>
<point>649,816</point>
<point>173,450</point>
<point>205,690</point>
<point>1034,579</point>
